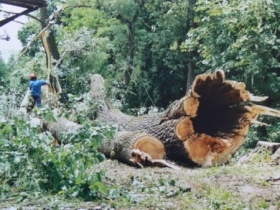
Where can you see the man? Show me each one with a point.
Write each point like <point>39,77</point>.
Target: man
<point>35,88</point>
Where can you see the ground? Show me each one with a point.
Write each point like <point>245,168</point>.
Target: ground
<point>252,185</point>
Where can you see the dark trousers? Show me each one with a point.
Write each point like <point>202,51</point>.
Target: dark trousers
<point>37,100</point>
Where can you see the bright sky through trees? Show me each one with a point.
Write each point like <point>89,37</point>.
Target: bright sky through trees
<point>13,45</point>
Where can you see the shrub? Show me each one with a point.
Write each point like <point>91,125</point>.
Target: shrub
<point>29,161</point>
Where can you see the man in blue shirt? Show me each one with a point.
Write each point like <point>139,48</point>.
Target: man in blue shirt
<point>35,88</point>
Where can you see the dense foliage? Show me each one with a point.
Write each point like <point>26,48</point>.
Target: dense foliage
<point>146,51</point>
<point>241,37</point>
<point>31,163</point>
<point>144,48</point>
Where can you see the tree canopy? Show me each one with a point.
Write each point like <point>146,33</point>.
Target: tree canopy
<point>148,50</point>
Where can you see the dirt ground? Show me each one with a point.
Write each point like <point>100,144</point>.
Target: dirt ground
<point>247,186</point>
<point>253,185</point>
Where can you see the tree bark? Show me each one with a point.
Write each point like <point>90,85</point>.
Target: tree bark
<point>130,51</point>
<point>51,42</point>
<point>190,77</point>
<point>190,25</point>
<point>130,39</point>
<point>205,127</point>
<point>27,103</point>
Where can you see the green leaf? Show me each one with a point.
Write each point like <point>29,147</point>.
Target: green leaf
<point>172,182</point>
<point>98,186</point>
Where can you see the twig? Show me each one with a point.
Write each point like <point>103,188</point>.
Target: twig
<point>271,179</point>
<point>164,162</point>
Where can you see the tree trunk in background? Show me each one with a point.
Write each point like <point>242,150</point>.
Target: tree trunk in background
<point>205,127</point>
<point>131,41</point>
<point>52,45</point>
<point>190,75</point>
<point>190,25</point>
<point>131,49</point>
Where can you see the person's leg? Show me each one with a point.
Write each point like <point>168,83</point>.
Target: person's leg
<point>32,102</point>
<point>38,101</point>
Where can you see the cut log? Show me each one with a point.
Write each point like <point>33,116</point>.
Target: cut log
<point>204,128</point>
<point>123,147</point>
<point>58,128</point>
<point>27,103</point>
<point>275,158</point>
<point>125,142</point>
<point>271,146</point>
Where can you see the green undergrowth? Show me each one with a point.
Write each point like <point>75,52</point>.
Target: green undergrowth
<point>34,173</point>
<point>167,193</point>
<point>74,180</point>
<point>31,165</point>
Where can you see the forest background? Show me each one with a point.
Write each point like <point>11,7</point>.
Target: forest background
<point>149,53</point>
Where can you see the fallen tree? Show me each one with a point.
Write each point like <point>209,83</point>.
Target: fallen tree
<point>205,127</point>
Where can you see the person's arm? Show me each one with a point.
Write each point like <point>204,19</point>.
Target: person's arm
<point>43,82</point>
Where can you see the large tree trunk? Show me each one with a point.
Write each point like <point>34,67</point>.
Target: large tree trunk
<point>51,46</point>
<point>49,43</point>
<point>205,127</point>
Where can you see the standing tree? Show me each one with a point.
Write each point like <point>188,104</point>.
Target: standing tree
<point>51,45</point>
<point>127,12</point>
<point>191,25</point>
<point>241,37</point>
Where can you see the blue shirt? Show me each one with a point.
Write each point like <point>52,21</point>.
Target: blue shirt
<point>35,87</point>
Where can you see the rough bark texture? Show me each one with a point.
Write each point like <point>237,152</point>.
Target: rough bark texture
<point>271,146</point>
<point>59,127</point>
<point>27,103</point>
<point>52,45</point>
<point>125,141</point>
<point>205,127</point>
